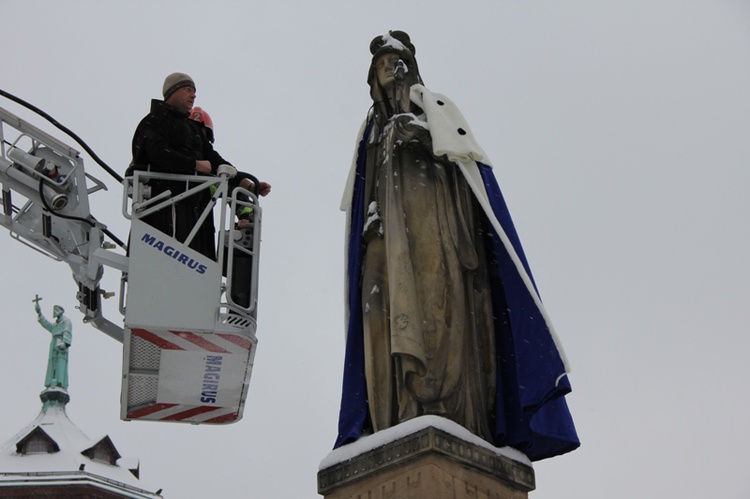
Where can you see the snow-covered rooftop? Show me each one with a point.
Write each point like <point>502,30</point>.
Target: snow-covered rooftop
<point>70,456</point>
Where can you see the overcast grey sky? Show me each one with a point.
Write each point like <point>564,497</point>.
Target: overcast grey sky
<point>619,135</point>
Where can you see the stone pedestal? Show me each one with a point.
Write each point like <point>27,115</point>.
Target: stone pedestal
<point>428,460</point>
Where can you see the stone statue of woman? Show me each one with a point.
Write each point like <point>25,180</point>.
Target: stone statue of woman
<point>425,297</point>
<point>62,337</point>
<point>443,317</point>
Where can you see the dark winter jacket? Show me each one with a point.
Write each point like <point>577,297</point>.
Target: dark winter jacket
<point>166,141</point>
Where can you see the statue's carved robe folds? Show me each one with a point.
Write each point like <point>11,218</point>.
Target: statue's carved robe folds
<point>443,317</point>
<point>426,307</point>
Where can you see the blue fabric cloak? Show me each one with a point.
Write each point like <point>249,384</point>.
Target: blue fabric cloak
<point>530,411</point>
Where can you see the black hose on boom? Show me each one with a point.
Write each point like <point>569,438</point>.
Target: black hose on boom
<point>75,137</point>
<point>69,217</point>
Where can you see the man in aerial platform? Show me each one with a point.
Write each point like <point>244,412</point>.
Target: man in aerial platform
<point>167,141</point>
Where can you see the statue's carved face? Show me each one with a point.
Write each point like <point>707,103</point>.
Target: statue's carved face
<point>385,67</point>
<point>56,312</point>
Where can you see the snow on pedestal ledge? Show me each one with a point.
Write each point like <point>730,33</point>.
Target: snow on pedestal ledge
<point>381,438</point>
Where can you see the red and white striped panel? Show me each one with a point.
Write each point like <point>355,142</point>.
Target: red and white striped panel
<point>218,343</point>
<point>185,340</point>
<point>186,413</point>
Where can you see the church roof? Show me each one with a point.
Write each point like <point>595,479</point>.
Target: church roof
<point>51,450</point>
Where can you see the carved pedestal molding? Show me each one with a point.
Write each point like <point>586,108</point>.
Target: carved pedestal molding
<point>429,463</point>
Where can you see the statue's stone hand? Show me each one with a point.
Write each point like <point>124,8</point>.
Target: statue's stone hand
<point>408,127</point>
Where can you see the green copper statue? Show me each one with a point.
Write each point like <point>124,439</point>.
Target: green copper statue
<point>62,336</point>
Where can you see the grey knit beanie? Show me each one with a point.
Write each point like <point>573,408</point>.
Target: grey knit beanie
<point>175,81</point>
